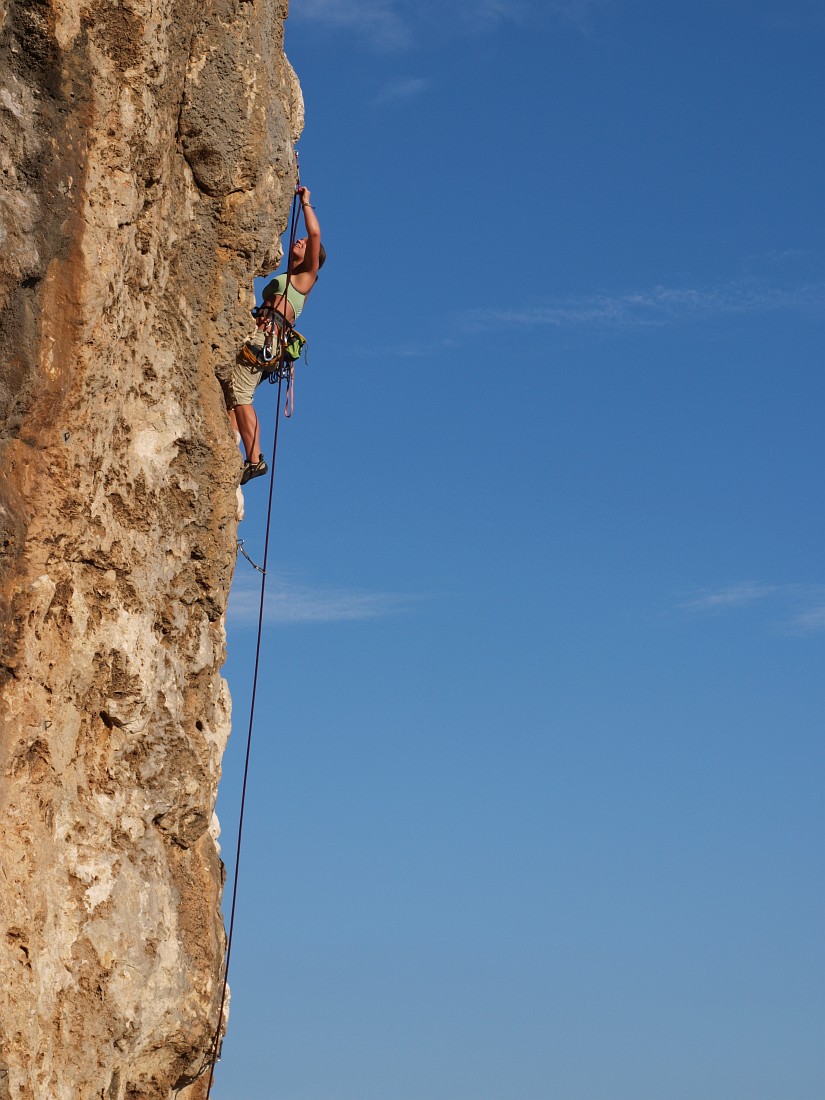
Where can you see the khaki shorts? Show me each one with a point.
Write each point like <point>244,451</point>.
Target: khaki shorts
<point>245,380</point>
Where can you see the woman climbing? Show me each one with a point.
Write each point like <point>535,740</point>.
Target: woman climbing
<point>284,299</point>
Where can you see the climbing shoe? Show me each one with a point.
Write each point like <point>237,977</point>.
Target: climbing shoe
<point>253,469</point>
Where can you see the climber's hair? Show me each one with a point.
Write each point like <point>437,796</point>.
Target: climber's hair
<point>322,255</point>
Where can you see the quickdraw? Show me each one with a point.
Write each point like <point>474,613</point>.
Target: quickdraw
<point>251,562</point>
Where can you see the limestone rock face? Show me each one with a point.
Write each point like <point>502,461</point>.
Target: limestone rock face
<point>146,171</point>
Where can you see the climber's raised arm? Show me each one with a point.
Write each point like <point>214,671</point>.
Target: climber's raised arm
<point>307,253</point>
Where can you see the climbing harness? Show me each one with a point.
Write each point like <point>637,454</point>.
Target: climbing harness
<point>293,345</point>
<point>274,350</point>
<point>216,1042</point>
<point>270,344</point>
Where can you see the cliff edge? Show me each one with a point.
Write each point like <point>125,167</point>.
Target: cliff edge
<point>147,171</point>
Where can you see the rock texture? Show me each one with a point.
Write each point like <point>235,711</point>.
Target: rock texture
<point>147,170</point>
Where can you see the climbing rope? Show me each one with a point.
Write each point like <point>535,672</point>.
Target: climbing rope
<point>216,1043</point>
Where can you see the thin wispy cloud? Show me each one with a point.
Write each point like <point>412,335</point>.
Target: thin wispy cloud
<point>660,305</point>
<point>382,23</point>
<point>734,595</point>
<point>417,349</point>
<point>577,13</point>
<point>781,256</point>
<point>616,312</point>
<point>498,11</point>
<point>405,88</point>
<point>811,621</point>
<point>289,602</point>
<point>389,25</point>
<point>792,608</point>
<point>485,14</point>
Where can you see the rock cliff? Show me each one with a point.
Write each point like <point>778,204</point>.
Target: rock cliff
<point>147,171</point>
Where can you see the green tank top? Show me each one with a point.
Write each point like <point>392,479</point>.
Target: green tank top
<point>275,289</point>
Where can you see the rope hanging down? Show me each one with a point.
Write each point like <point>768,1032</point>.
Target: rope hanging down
<point>217,1039</point>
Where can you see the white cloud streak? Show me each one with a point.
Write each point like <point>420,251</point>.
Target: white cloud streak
<point>390,25</point>
<point>497,11</point>
<point>795,608</point>
<point>621,311</point>
<point>734,595</point>
<point>380,22</point>
<point>289,602</point>
<point>577,13</point>
<point>811,621</point>
<point>404,88</point>
<point>658,306</point>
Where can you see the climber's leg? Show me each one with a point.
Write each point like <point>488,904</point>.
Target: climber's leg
<point>247,423</point>
<point>242,416</point>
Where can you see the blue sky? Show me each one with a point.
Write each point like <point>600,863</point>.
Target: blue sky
<point>535,810</point>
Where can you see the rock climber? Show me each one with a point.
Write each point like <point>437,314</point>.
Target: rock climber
<point>285,295</point>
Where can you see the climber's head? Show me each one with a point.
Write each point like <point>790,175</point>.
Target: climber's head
<point>299,247</point>
<point>299,251</point>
